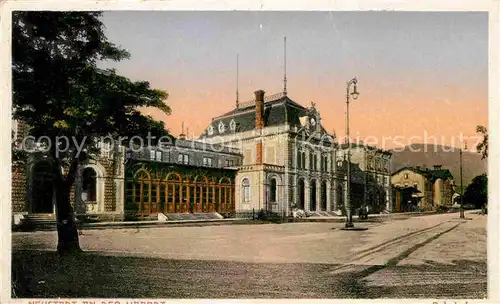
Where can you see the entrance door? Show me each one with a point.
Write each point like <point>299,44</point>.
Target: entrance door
<point>43,188</point>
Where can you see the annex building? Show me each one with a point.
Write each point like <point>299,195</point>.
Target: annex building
<point>422,188</point>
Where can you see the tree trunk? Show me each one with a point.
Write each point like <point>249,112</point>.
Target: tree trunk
<point>67,232</point>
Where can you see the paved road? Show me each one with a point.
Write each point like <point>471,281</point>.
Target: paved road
<point>435,256</point>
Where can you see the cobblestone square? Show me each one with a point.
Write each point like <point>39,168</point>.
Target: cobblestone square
<point>437,256</point>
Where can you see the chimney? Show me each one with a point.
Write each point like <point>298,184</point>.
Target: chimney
<point>259,111</point>
<point>437,167</point>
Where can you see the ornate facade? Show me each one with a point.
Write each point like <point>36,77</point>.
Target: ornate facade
<point>288,157</point>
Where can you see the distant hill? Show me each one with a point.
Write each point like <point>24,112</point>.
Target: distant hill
<point>429,155</point>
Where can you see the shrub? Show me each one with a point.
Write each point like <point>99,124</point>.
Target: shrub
<point>442,209</point>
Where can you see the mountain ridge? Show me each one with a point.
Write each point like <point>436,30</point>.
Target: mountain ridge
<point>428,155</point>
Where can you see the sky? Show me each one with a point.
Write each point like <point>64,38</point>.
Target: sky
<point>422,76</point>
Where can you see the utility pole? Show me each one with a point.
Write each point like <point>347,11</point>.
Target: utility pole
<point>462,215</point>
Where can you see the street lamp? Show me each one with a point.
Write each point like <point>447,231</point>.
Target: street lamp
<point>353,82</point>
<point>462,215</point>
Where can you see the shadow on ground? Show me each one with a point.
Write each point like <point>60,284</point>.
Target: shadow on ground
<point>42,274</point>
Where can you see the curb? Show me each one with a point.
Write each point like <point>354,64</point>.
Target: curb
<point>219,222</point>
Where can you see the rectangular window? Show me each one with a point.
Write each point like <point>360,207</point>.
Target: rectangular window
<point>186,159</point>
<point>166,156</point>
<point>152,154</point>
<point>158,155</point>
<point>207,161</point>
<point>180,158</point>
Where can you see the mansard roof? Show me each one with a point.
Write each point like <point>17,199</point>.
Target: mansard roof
<point>279,109</point>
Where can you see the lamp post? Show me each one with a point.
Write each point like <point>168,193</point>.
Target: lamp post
<point>462,215</point>
<point>353,82</point>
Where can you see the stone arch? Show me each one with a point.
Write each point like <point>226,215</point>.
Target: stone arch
<point>301,194</point>
<point>42,187</point>
<point>84,203</point>
<point>274,184</point>
<point>245,190</point>
<point>323,196</point>
<point>313,186</point>
<point>273,190</point>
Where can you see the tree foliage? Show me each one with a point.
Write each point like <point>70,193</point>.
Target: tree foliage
<point>477,191</point>
<point>60,92</point>
<point>482,147</point>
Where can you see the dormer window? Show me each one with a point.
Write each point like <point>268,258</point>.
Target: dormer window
<point>222,127</point>
<point>313,122</point>
<point>232,125</point>
<point>210,130</point>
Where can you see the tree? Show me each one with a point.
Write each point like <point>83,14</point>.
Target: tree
<point>477,191</point>
<point>483,146</point>
<point>59,91</point>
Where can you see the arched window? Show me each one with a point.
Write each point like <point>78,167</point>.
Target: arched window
<point>89,185</point>
<point>302,194</point>
<point>312,202</point>
<point>210,130</point>
<point>246,190</point>
<point>272,190</point>
<point>222,127</point>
